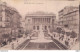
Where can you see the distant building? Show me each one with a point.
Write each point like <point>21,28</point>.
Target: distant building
<point>69,17</point>
<point>34,20</point>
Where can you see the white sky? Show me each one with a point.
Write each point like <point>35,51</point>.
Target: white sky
<point>47,6</point>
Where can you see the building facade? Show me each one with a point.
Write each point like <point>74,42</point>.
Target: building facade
<point>34,20</point>
<point>69,17</point>
<point>9,19</point>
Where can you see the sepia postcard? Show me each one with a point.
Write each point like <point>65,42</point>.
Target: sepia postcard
<point>39,25</point>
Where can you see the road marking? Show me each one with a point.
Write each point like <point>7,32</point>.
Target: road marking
<point>20,46</point>
<point>25,46</point>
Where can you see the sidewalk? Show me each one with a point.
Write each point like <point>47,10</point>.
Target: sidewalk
<point>9,46</point>
<point>57,37</point>
<point>72,46</point>
<point>75,46</point>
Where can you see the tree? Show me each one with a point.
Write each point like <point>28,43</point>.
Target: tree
<point>68,33</point>
<point>73,35</point>
<point>59,30</point>
<point>5,36</point>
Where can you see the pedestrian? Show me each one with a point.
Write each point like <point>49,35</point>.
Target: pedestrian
<point>66,42</point>
<point>76,41</point>
<point>62,37</point>
<point>54,35</point>
<point>12,45</point>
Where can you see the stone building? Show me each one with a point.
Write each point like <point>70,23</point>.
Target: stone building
<point>9,19</point>
<point>69,17</point>
<point>34,20</point>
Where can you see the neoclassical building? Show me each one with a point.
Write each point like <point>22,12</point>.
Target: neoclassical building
<point>35,20</point>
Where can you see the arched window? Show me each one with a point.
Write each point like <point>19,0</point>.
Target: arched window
<point>37,27</point>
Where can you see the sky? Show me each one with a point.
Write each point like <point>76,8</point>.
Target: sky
<point>30,6</point>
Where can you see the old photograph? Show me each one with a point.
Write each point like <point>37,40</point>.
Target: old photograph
<point>39,25</point>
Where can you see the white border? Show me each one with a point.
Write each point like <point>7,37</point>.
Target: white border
<point>42,51</point>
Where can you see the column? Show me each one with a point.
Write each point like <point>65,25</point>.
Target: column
<point>47,20</point>
<point>51,20</point>
<point>34,20</point>
<point>44,20</point>
<point>40,20</point>
<point>35,27</point>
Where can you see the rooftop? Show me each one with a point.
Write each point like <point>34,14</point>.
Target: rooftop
<point>41,13</point>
